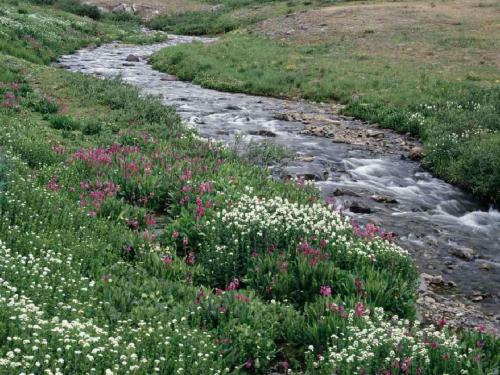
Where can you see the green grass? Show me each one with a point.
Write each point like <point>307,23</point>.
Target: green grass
<point>231,15</point>
<point>456,119</point>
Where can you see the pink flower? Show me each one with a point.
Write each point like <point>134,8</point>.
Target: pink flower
<point>249,363</point>
<point>52,184</point>
<point>481,328</point>
<point>58,149</point>
<point>167,259</point>
<point>200,211</point>
<point>441,322</point>
<point>190,259</point>
<point>150,221</point>
<point>359,310</point>
<point>187,175</point>
<point>205,187</point>
<point>233,285</point>
<point>222,309</point>
<point>325,291</point>
<point>185,242</point>
<point>175,234</point>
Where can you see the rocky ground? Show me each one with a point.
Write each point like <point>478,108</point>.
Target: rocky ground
<point>147,9</point>
<point>341,129</point>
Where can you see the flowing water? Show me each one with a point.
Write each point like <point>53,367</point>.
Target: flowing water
<point>430,217</point>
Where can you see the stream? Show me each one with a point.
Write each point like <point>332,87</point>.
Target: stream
<point>454,238</point>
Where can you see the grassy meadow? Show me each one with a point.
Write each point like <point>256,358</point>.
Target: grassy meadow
<point>428,69</point>
<point>129,245</point>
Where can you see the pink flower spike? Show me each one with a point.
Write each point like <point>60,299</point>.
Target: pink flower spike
<point>359,310</point>
<point>325,291</point>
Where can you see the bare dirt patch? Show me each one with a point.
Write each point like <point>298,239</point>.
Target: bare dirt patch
<point>453,31</point>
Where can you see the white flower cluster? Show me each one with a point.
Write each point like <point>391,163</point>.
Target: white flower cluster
<point>38,25</point>
<point>49,333</point>
<point>377,339</point>
<point>277,218</point>
<point>281,216</point>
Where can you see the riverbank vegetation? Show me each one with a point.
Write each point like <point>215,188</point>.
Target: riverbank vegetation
<point>431,70</point>
<point>131,246</point>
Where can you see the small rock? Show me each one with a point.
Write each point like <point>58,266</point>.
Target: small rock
<point>217,8</point>
<point>422,286</point>
<point>340,192</point>
<point>485,266</point>
<point>232,107</point>
<point>309,177</point>
<point>416,153</point>
<point>262,133</point>
<point>306,158</point>
<point>429,300</point>
<point>122,7</point>
<point>375,134</point>
<point>381,199</point>
<point>133,58</point>
<point>433,279</point>
<point>464,253</point>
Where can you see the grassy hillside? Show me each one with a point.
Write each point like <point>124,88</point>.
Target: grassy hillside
<point>414,67</point>
<point>131,246</point>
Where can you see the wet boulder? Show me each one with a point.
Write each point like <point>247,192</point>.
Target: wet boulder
<point>262,133</point>
<point>382,199</point>
<point>359,209</point>
<point>464,253</point>
<point>416,153</point>
<point>133,58</point>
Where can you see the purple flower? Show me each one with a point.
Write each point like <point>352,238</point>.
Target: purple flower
<point>325,291</point>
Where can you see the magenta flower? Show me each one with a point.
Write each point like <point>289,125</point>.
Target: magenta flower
<point>359,310</point>
<point>167,259</point>
<point>52,184</point>
<point>233,285</point>
<point>325,291</point>
<point>442,322</point>
<point>249,363</point>
<point>190,259</point>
